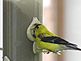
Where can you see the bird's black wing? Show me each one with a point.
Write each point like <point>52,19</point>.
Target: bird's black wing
<point>56,40</point>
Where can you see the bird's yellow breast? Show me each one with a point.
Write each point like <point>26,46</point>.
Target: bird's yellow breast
<point>48,46</point>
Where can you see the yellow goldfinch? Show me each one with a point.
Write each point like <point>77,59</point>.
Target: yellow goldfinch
<point>46,41</point>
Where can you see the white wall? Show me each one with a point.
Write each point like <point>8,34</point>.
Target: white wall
<point>72,19</point>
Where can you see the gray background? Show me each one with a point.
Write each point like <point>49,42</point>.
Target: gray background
<point>17,17</point>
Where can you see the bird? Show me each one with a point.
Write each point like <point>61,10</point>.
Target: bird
<point>46,41</point>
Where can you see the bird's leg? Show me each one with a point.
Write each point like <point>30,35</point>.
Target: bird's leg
<point>59,52</point>
<point>48,52</point>
<point>45,51</point>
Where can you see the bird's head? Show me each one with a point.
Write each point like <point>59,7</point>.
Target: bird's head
<point>34,24</point>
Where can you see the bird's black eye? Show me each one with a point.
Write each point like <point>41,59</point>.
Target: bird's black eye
<point>37,25</point>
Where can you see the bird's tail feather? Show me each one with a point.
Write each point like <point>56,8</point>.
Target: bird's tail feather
<point>74,47</point>
<point>77,49</point>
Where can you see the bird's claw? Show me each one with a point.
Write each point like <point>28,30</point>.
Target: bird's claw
<point>45,51</point>
<point>59,52</point>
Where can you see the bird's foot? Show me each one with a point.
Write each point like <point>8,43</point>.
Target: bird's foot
<point>59,52</point>
<point>45,51</point>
